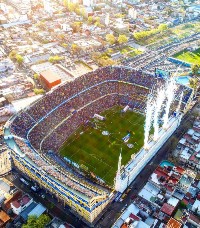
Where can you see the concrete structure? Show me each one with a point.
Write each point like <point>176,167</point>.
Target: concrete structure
<point>134,167</point>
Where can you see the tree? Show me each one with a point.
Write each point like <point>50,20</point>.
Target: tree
<point>75,48</point>
<point>122,39</point>
<point>36,76</point>
<point>194,83</point>
<point>71,6</point>
<point>12,54</point>
<point>65,3</point>
<point>90,20</point>
<point>106,61</point>
<point>119,15</point>
<point>196,69</point>
<point>19,59</point>
<point>38,91</point>
<point>162,27</point>
<point>34,222</point>
<point>83,12</point>
<point>55,59</point>
<point>97,19</point>
<point>76,26</point>
<point>110,38</point>
<point>182,205</point>
<point>64,45</point>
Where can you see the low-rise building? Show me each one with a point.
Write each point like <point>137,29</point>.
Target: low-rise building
<point>49,79</point>
<point>21,204</point>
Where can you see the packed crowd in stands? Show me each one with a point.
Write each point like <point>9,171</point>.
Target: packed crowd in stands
<point>65,178</point>
<point>73,101</point>
<point>51,120</point>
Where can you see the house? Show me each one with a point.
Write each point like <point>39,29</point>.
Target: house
<point>21,204</point>
<point>196,206</point>
<point>194,220</point>
<point>167,209</point>
<point>4,218</point>
<point>173,223</point>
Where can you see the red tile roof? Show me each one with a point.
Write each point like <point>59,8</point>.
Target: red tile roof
<point>180,170</point>
<point>134,217</point>
<point>173,223</point>
<point>23,201</point>
<point>16,204</point>
<point>194,218</point>
<point>167,209</point>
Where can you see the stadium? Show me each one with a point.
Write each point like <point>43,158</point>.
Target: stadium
<point>39,135</point>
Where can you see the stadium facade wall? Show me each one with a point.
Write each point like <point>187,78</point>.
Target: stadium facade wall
<point>135,166</point>
<point>87,211</point>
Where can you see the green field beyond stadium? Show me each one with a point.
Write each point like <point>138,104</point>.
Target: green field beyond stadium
<point>99,153</point>
<point>188,56</point>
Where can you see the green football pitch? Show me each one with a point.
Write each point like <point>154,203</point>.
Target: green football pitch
<point>99,153</point>
<point>190,57</point>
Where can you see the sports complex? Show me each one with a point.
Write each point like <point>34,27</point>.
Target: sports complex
<point>59,142</point>
<point>99,152</point>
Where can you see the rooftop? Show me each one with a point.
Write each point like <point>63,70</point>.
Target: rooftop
<point>167,209</point>
<point>50,76</point>
<point>4,217</point>
<point>21,202</point>
<point>173,223</point>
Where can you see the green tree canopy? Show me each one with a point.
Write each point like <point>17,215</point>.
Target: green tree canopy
<point>75,48</point>
<point>144,34</point>
<point>90,19</point>
<point>36,76</point>
<point>65,3</point>
<point>19,59</point>
<point>196,69</point>
<point>76,26</point>
<point>194,83</point>
<point>34,222</point>
<point>55,59</point>
<point>71,6</point>
<point>162,27</point>
<point>122,39</point>
<point>12,54</point>
<point>110,38</point>
<point>38,91</point>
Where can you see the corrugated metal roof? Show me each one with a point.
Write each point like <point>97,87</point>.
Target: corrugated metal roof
<point>38,210</point>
